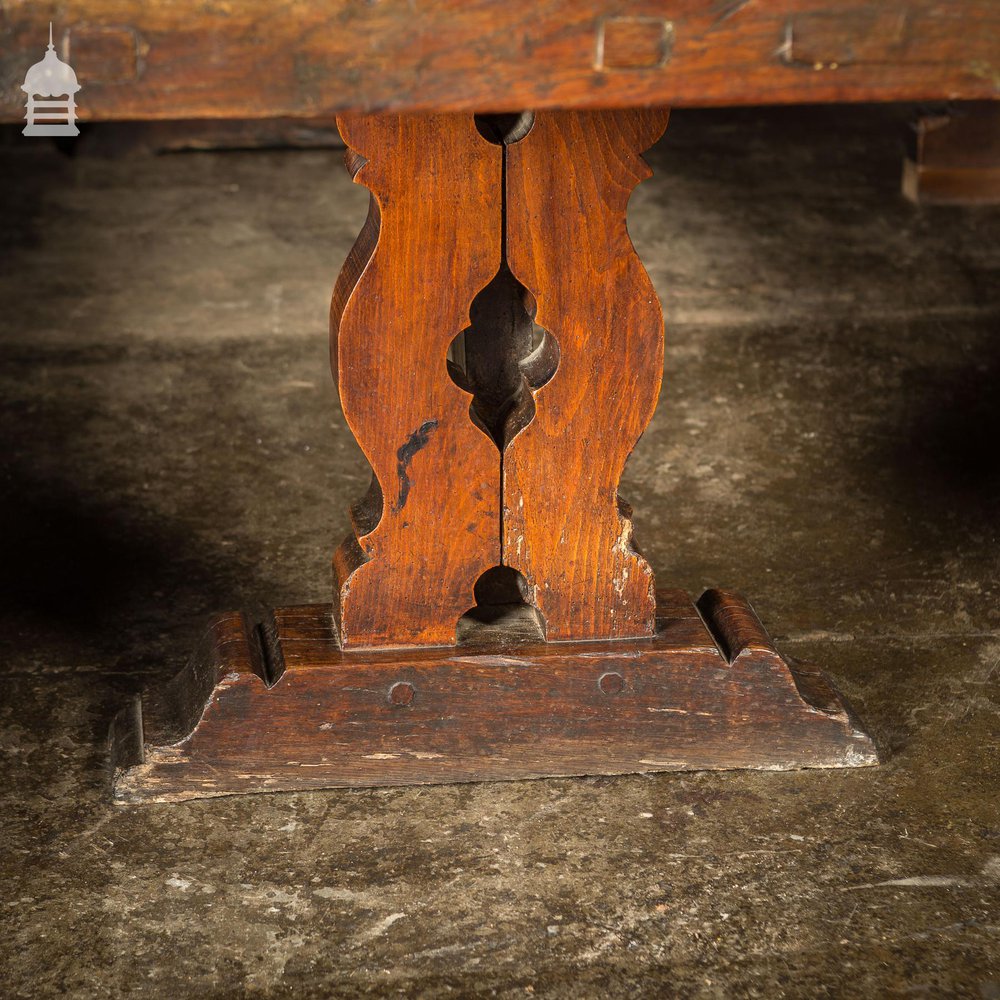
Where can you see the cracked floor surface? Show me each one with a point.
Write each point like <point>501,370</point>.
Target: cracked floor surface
<point>826,443</point>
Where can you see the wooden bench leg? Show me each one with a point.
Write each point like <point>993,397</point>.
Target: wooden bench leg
<point>498,348</point>
<point>954,157</point>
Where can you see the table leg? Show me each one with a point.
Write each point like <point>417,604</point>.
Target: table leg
<point>498,348</point>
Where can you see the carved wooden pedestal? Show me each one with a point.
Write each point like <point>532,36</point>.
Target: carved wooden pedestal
<point>498,348</point>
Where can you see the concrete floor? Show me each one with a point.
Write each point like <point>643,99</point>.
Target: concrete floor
<point>827,443</point>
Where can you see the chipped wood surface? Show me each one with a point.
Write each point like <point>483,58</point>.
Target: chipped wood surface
<point>564,526</point>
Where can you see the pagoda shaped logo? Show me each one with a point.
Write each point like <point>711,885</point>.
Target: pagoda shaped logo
<point>51,78</point>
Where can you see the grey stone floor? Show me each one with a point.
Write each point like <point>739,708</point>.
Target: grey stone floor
<point>828,442</point>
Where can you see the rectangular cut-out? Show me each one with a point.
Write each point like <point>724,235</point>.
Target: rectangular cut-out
<point>633,43</point>
<point>846,38</point>
<point>103,55</point>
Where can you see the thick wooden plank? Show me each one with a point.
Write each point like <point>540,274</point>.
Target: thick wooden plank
<point>302,58</point>
<point>564,527</point>
<point>430,524</point>
<point>291,711</point>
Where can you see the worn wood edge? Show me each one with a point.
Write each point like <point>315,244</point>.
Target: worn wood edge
<point>237,654</point>
<point>742,638</point>
<point>134,794</point>
<point>366,511</point>
<point>178,708</point>
<point>819,691</point>
<point>125,739</point>
<point>933,185</point>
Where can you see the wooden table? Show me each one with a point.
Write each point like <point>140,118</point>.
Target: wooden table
<point>498,348</point>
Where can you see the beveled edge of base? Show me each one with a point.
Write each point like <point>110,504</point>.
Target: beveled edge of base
<point>231,641</point>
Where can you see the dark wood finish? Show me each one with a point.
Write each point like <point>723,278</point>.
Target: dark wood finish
<point>498,349</point>
<point>112,139</point>
<point>430,524</point>
<point>954,156</point>
<point>283,707</point>
<point>288,58</point>
<point>564,527</point>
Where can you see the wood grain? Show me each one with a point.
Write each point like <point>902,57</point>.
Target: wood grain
<point>287,708</point>
<point>953,157</point>
<point>303,58</point>
<point>564,526</point>
<point>429,525</point>
<point>462,233</point>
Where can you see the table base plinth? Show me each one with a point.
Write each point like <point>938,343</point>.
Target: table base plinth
<point>279,706</point>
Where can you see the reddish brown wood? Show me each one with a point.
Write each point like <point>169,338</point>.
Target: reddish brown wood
<point>430,524</point>
<point>303,58</point>
<point>564,527</point>
<point>283,707</point>
<point>565,421</point>
<point>459,401</point>
<point>954,156</point>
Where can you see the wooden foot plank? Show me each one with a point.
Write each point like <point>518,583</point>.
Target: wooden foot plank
<point>700,694</point>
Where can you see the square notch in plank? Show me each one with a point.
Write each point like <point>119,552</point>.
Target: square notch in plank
<point>633,43</point>
<point>104,55</point>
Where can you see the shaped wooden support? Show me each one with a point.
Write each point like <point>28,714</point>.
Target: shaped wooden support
<point>564,527</point>
<point>429,525</point>
<point>498,348</point>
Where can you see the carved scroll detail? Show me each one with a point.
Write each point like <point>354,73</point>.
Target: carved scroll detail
<point>564,527</point>
<point>429,525</point>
